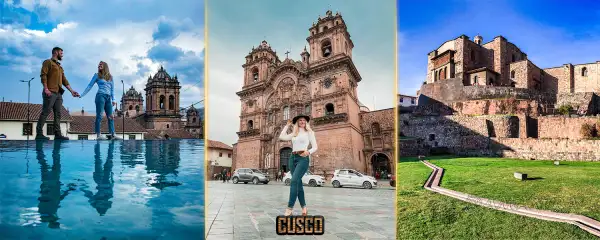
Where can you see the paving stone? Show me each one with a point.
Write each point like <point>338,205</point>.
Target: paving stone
<point>252,210</point>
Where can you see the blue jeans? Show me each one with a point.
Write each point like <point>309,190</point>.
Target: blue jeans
<point>104,103</point>
<point>298,167</point>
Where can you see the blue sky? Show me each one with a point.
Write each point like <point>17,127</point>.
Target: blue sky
<point>234,26</point>
<point>134,37</point>
<point>551,32</point>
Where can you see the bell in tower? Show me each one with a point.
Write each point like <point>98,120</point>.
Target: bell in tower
<point>326,49</point>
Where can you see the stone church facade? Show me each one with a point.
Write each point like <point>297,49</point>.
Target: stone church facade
<point>323,85</point>
<point>162,115</point>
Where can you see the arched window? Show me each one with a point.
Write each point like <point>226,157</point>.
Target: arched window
<point>512,74</point>
<point>250,125</point>
<point>193,120</point>
<point>167,125</point>
<point>326,49</point>
<point>513,57</point>
<point>270,117</point>
<point>324,29</point>
<point>584,72</point>
<point>171,102</point>
<point>375,129</point>
<point>255,74</point>
<point>162,102</point>
<point>475,80</point>
<point>307,109</point>
<point>329,109</point>
<point>286,113</point>
<point>137,108</point>
<point>130,107</point>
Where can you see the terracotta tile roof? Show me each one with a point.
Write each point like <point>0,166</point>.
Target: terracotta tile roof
<point>18,111</point>
<point>173,134</point>
<point>219,145</point>
<point>85,124</point>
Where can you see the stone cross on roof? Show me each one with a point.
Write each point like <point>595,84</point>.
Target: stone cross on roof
<point>286,54</point>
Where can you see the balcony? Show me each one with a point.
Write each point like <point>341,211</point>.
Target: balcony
<point>248,133</point>
<point>334,118</point>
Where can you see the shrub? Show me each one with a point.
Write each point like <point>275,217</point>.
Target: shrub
<point>588,130</point>
<point>565,109</point>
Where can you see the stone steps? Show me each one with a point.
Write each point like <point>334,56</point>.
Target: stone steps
<point>433,184</point>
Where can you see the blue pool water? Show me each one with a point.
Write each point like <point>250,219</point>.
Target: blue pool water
<point>102,189</point>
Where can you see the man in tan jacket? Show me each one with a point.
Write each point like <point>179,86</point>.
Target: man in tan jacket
<point>53,78</point>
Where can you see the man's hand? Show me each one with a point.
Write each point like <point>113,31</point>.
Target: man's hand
<point>304,154</point>
<point>47,92</point>
<point>75,94</point>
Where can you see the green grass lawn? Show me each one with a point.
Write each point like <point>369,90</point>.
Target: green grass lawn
<point>426,215</point>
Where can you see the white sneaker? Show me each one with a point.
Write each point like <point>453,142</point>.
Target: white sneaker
<point>101,137</point>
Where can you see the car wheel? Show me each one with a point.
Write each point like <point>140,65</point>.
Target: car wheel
<point>235,180</point>
<point>267,182</point>
<point>367,185</point>
<point>336,184</point>
<point>287,182</point>
<point>255,181</point>
<point>245,182</point>
<point>312,183</point>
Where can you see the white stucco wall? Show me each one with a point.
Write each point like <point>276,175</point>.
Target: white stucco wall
<point>225,160</point>
<point>14,129</point>
<point>406,102</point>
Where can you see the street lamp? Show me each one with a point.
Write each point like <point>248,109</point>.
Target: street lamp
<point>122,113</point>
<point>28,105</point>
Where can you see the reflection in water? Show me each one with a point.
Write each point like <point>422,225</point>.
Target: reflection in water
<point>50,189</point>
<point>162,158</point>
<point>131,153</point>
<point>103,176</point>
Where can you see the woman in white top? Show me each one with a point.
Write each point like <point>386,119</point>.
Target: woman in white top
<point>301,136</point>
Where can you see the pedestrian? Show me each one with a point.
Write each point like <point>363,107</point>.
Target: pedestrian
<point>53,78</point>
<point>302,135</point>
<point>278,177</point>
<point>104,98</point>
<point>228,175</point>
<point>224,175</point>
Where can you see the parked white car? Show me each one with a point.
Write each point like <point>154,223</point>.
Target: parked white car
<point>308,179</point>
<point>351,177</point>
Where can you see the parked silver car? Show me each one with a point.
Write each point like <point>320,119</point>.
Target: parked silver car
<point>247,175</point>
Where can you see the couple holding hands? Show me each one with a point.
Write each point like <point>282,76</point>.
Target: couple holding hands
<point>53,78</point>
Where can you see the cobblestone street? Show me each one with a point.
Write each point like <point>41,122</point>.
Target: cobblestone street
<point>247,211</point>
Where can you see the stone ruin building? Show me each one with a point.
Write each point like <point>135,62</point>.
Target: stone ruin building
<point>489,99</point>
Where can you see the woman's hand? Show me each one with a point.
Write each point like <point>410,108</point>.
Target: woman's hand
<point>289,122</point>
<point>304,154</point>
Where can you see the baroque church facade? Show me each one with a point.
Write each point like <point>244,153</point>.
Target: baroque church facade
<point>162,115</point>
<point>323,85</point>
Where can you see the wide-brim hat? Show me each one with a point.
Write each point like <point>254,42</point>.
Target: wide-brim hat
<point>300,116</point>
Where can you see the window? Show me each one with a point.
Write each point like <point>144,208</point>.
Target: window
<point>137,108</point>
<point>472,55</point>
<point>229,155</point>
<point>193,120</point>
<point>401,99</point>
<point>82,137</point>
<point>171,102</point>
<point>130,107</point>
<point>220,154</point>
<point>513,57</point>
<point>49,129</point>
<point>255,74</point>
<point>307,109</point>
<point>584,72</point>
<point>250,125</point>
<point>27,129</point>
<point>270,117</point>
<point>475,80</point>
<point>167,125</point>
<point>512,74</point>
<point>326,48</point>
<point>329,109</point>
<point>412,101</point>
<point>194,130</point>
<point>131,137</point>
<point>162,102</point>
<point>286,113</point>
